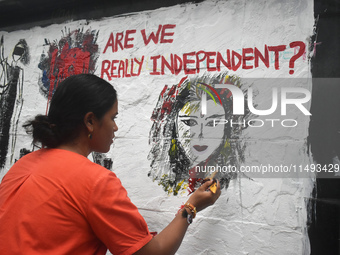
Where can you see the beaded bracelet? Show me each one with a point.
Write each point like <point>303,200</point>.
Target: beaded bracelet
<point>192,209</point>
<point>185,213</point>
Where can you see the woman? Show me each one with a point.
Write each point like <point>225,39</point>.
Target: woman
<point>56,201</point>
<point>185,142</point>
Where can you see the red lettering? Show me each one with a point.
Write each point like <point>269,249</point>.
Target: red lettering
<point>233,55</point>
<point>187,61</point>
<point>126,67</point>
<point>198,60</point>
<point>154,70</point>
<point>191,62</point>
<point>110,43</point>
<point>246,58</point>
<point>127,39</point>
<point>265,58</point>
<point>276,50</point>
<point>177,64</point>
<point>140,63</point>
<point>152,36</point>
<point>119,38</point>
<point>163,34</point>
<point>121,69</point>
<point>166,63</point>
<point>113,67</point>
<point>115,42</point>
<point>210,61</point>
<point>105,69</point>
<point>220,60</point>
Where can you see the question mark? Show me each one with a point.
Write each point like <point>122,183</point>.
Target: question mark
<point>302,48</point>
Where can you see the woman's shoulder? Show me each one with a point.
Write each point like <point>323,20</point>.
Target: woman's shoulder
<point>63,162</point>
<point>74,160</point>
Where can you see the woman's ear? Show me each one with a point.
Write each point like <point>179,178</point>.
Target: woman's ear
<point>89,120</point>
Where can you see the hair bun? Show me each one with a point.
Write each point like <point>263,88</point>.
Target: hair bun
<point>43,131</point>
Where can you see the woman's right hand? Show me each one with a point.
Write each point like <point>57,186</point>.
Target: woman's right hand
<point>168,240</point>
<point>204,197</point>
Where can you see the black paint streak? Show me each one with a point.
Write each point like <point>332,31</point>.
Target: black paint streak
<point>11,88</point>
<point>99,158</point>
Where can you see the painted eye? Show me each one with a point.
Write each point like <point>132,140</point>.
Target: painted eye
<point>190,122</point>
<point>214,123</point>
<point>211,123</point>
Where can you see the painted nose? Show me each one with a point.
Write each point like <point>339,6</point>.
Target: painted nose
<point>200,136</point>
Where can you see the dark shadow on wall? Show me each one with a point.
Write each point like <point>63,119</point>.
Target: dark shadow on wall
<point>324,129</point>
<point>25,14</point>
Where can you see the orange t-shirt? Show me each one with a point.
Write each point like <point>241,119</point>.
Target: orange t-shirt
<point>55,201</point>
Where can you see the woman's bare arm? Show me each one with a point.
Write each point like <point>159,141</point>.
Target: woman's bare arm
<point>169,240</point>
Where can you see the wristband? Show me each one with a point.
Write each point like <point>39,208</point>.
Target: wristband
<point>185,213</point>
<point>189,217</point>
<point>191,208</point>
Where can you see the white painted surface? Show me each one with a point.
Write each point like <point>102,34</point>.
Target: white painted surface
<point>259,216</point>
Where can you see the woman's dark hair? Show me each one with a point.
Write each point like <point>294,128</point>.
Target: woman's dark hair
<point>74,97</point>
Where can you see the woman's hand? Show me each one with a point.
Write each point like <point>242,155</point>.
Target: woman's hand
<point>204,197</point>
<point>168,241</point>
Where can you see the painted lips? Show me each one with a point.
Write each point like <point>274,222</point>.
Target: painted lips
<point>200,148</point>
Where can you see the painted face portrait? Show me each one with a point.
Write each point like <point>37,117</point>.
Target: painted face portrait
<point>200,134</point>
<point>190,136</point>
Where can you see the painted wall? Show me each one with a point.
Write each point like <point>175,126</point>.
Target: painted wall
<point>150,58</point>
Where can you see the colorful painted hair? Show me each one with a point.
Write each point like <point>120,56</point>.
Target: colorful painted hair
<point>170,162</point>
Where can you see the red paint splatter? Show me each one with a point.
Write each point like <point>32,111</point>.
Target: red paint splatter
<point>75,53</point>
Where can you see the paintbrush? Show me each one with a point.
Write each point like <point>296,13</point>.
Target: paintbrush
<point>212,187</point>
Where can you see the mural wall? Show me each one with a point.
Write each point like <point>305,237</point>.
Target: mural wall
<point>219,86</point>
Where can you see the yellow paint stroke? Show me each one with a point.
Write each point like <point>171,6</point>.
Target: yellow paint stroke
<point>173,147</point>
<point>208,93</point>
<point>226,144</point>
<point>190,107</point>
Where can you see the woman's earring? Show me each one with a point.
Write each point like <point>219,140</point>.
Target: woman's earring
<point>90,136</point>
